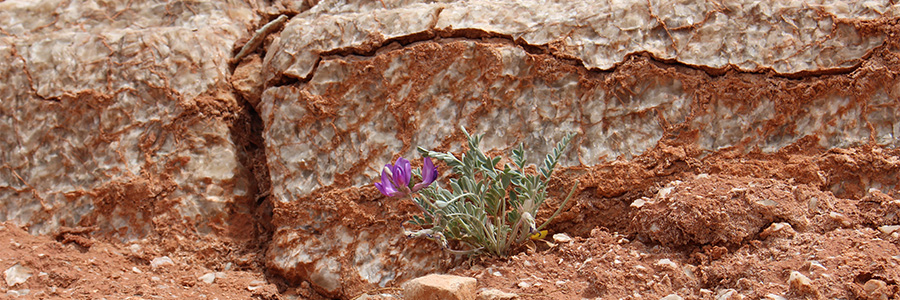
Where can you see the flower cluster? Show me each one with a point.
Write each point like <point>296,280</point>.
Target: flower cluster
<point>489,208</point>
<point>395,178</point>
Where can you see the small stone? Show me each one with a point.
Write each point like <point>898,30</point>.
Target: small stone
<point>562,238</point>
<point>876,289</point>
<point>256,284</point>
<point>844,220</point>
<point>665,262</point>
<point>778,230</point>
<point>495,294</point>
<point>801,284</point>
<point>136,270</point>
<point>155,278</point>
<point>436,286</point>
<point>17,293</point>
<point>524,285</point>
<point>161,262</point>
<point>663,192</point>
<point>888,229</point>
<point>671,297</point>
<point>17,274</point>
<point>638,203</point>
<point>208,277</point>
<point>729,294</point>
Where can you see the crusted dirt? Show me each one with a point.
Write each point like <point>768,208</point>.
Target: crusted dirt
<point>708,227</point>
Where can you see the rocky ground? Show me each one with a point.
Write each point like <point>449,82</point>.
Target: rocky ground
<point>774,226</point>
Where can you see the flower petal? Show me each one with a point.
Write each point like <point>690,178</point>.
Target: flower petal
<point>385,186</point>
<point>429,174</point>
<point>402,172</point>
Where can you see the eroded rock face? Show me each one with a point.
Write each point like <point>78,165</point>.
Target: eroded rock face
<point>116,114</point>
<point>121,115</point>
<point>350,86</point>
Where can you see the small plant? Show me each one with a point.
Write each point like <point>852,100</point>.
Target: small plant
<point>488,209</point>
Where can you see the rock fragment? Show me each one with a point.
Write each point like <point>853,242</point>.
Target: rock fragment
<point>888,229</point>
<point>801,284</point>
<point>778,230</point>
<point>495,294</point>
<point>841,218</point>
<point>17,274</point>
<point>440,287</point>
<point>208,278</point>
<point>671,297</point>
<point>729,294</point>
<point>162,261</point>
<point>877,289</point>
<point>562,238</point>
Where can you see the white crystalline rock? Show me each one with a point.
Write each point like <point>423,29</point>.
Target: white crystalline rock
<point>561,238</point>
<point>100,97</point>
<point>208,278</point>
<point>17,274</point>
<point>671,297</point>
<point>162,261</point>
<point>888,229</point>
<point>785,36</point>
<point>310,160</point>
<point>665,262</point>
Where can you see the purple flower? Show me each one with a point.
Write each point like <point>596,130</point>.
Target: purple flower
<point>395,178</point>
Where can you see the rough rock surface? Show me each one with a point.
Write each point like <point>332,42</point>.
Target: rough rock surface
<point>350,86</point>
<point>117,116</point>
<point>437,286</point>
<point>725,213</point>
<point>129,121</point>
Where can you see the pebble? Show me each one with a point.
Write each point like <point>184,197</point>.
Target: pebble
<point>639,203</point>
<point>671,297</point>
<point>495,294</point>
<point>136,270</point>
<point>729,294</point>
<point>877,289</point>
<point>665,262</point>
<point>888,229</point>
<point>801,284</point>
<point>844,220</point>
<point>256,284</point>
<point>524,285</point>
<point>562,238</point>
<point>208,277</point>
<point>778,230</point>
<point>437,286</point>
<point>161,262</point>
<point>17,274</point>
